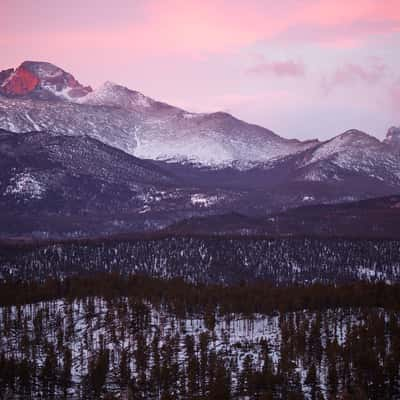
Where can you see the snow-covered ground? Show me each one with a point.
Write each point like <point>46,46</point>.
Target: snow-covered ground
<point>87,325</point>
<point>26,185</point>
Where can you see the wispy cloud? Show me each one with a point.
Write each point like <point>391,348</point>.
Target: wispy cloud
<point>287,68</point>
<point>350,74</point>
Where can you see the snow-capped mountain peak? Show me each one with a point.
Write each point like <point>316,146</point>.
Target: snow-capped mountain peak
<point>112,94</point>
<point>354,137</point>
<point>351,140</point>
<point>41,80</point>
<point>352,152</point>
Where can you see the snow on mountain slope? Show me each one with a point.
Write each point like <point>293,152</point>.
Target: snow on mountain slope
<point>353,151</point>
<point>352,140</point>
<point>113,126</point>
<point>25,185</point>
<point>208,139</point>
<point>216,139</point>
<point>60,184</point>
<point>111,94</point>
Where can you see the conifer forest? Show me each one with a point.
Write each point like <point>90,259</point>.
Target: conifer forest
<point>200,318</point>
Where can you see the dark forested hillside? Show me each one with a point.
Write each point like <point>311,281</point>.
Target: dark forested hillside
<point>281,261</point>
<point>373,218</point>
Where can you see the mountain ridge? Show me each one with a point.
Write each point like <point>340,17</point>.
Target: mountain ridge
<point>368,219</point>
<point>158,129</point>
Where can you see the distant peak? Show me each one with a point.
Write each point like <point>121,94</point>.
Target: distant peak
<point>38,66</point>
<point>353,132</point>
<point>393,131</point>
<point>113,94</point>
<point>393,136</point>
<point>355,135</point>
<point>111,84</point>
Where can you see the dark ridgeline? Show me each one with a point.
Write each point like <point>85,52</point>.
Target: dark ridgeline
<point>377,218</point>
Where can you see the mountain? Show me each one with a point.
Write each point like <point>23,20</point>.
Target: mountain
<point>170,133</point>
<point>40,80</point>
<point>113,95</point>
<point>349,155</point>
<point>55,185</point>
<point>132,122</point>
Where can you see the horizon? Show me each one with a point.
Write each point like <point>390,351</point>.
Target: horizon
<point>314,72</point>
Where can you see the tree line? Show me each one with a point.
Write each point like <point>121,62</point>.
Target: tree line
<point>227,260</point>
<point>183,297</point>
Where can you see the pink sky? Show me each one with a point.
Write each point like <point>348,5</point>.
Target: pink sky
<point>303,68</point>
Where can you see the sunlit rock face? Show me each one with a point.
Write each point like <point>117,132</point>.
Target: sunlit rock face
<point>19,82</point>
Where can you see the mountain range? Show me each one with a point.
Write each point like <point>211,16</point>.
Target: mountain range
<point>76,161</point>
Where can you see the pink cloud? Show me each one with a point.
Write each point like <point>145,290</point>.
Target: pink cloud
<point>191,26</point>
<point>279,68</point>
<point>350,74</point>
<point>220,25</point>
<point>223,25</point>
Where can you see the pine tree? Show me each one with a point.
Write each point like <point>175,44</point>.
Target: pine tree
<point>48,373</point>
<point>65,378</point>
<point>221,387</point>
<point>155,375</point>
<point>141,359</point>
<point>124,370</point>
<point>246,377</point>
<point>312,382</point>
<point>192,366</point>
<point>97,373</point>
<point>203,344</point>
